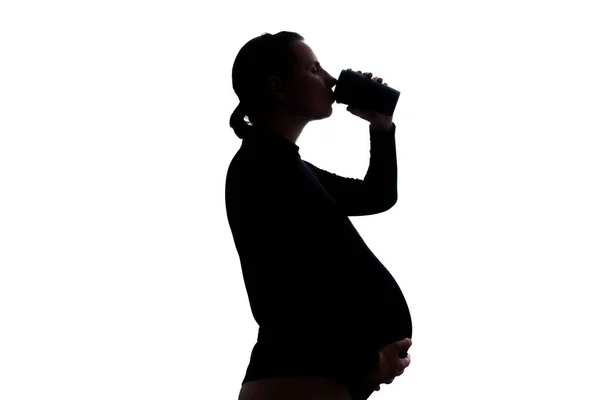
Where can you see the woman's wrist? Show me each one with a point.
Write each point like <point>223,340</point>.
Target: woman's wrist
<point>381,128</point>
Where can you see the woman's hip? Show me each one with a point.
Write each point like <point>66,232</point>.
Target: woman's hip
<point>294,388</point>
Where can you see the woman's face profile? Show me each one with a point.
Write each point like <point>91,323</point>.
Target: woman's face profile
<point>309,94</point>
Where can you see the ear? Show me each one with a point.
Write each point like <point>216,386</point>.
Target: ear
<point>277,88</point>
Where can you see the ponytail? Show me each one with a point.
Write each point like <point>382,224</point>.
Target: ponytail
<point>238,123</point>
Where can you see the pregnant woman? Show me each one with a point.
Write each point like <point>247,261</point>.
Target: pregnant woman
<point>333,322</point>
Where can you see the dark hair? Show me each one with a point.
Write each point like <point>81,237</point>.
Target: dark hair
<point>264,56</point>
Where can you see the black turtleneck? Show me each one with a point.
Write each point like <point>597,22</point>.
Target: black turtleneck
<point>323,301</point>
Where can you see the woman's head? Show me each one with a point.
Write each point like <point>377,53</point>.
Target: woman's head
<point>276,78</point>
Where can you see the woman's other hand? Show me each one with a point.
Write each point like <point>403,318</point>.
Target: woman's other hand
<point>390,363</point>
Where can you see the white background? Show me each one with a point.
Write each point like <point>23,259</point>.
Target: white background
<point>119,277</point>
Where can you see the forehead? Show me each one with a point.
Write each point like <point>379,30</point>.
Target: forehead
<point>306,57</point>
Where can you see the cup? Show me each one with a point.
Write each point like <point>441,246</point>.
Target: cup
<point>357,90</point>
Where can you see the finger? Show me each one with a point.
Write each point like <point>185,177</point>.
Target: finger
<point>352,110</point>
<point>355,111</point>
<point>400,367</point>
<point>403,345</point>
<point>406,361</point>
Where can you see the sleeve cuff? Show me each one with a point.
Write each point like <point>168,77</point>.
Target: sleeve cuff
<point>377,130</point>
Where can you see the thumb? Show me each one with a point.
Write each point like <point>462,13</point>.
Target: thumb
<point>355,111</point>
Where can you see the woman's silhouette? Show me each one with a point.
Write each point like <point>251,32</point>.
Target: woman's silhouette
<point>331,317</point>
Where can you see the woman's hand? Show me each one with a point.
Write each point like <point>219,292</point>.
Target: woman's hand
<point>379,122</point>
<point>390,364</point>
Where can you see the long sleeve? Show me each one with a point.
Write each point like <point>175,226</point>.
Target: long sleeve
<point>378,191</point>
<point>323,301</point>
<point>310,291</point>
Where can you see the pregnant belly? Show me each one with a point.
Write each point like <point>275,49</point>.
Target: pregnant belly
<point>390,309</point>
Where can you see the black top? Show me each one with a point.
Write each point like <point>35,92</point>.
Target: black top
<point>323,301</point>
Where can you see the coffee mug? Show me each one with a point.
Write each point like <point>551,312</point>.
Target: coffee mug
<point>362,92</point>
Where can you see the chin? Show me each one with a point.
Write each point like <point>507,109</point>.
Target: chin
<point>325,112</point>
<point>328,111</point>
<point>322,116</point>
